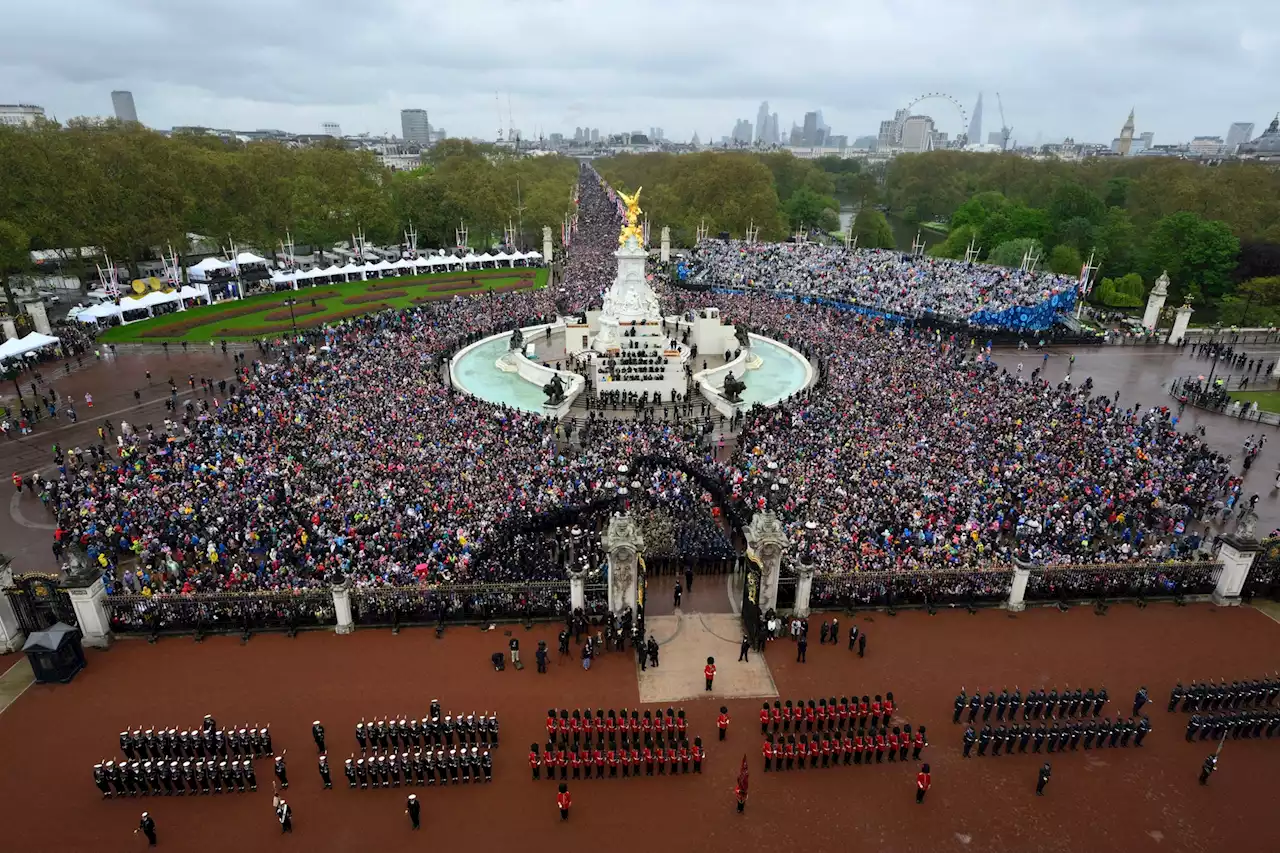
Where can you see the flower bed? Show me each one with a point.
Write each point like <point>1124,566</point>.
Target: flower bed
<point>309,323</point>
<point>206,317</point>
<point>298,311</point>
<point>362,298</point>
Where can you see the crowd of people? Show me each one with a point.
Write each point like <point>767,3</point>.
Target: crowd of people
<point>878,279</point>
<point>346,454</point>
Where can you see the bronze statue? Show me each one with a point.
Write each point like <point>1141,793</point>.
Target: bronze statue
<point>554,391</point>
<point>740,332</point>
<point>733,388</point>
<point>516,344</point>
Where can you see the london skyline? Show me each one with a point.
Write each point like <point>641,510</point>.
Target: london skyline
<point>1065,68</point>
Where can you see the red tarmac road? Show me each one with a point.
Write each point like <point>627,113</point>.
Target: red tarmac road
<point>1123,800</point>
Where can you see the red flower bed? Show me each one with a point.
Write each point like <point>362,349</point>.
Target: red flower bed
<point>362,298</point>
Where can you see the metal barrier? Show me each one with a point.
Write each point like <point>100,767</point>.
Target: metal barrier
<point>1191,391</point>
<point>396,606</point>
<point>979,587</point>
<point>220,612</point>
<point>1115,581</point>
<point>39,602</point>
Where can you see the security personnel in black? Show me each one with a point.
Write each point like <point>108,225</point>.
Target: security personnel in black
<point>1144,726</point>
<point>1174,696</point>
<point>975,705</point>
<point>997,741</point>
<point>1015,701</point>
<point>317,734</point>
<point>1024,737</point>
<point>324,771</point>
<point>984,740</point>
<point>988,702</point>
<point>281,772</point>
<point>1099,701</point>
<point>1040,732</point>
<point>100,779</point>
<point>1002,705</point>
<point>969,738</point>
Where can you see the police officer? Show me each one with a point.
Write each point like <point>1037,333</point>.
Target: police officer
<point>324,771</point>
<point>414,810</point>
<point>317,734</point>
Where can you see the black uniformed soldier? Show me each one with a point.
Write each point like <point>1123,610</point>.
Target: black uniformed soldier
<point>1039,735</point>
<point>1074,705</point>
<point>176,777</point>
<point>1050,704</point>
<point>1139,699</point>
<point>361,737</point>
<point>281,773</point>
<point>349,770</point>
<point>988,703</point>
<point>486,765</point>
<point>1175,695</point>
<point>1029,709</point>
<point>317,734</point>
<point>1116,731</point>
<point>961,701</point>
<point>162,773</point>
<point>1015,701</point>
<point>1210,765</point>
<point>100,779</point>
<point>984,740</point>
<point>1002,705</point>
<point>997,741</point>
<point>975,705</point>
<point>126,745</point>
<point>1043,779</point>
<point>209,725</point>
<point>1074,732</point>
<point>414,810</point>
<point>362,773</point>
<point>1024,737</point>
<point>249,775</point>
<point>1064,702</point>
<point>147,827</point>
<point>189,777</point>
<point>1099,701</point>
<point>1053,736</point>
<point>1144,726</point>
<point>969,738</point>
<point>324,771</point>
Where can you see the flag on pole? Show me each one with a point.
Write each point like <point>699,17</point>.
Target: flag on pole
<point>743,776</point>
<point>1084,279</point>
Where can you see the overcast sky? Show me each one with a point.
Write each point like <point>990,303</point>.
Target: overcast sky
<point>1063,67</point>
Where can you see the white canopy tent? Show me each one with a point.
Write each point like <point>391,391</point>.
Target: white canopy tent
<point>201,271</point>
<point>532,256</point>
<point>248,258</point>
<point>30,342</point>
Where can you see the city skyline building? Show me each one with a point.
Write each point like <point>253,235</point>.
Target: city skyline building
<point>1126,137</point>
<point>122,105</point>
<point>1238,134</point>
<point>762,123</point>
<point>20,114</point>
<point>975,123</point>
<point>741,132</point>
<point>917,134</point>
<point>415,126</point>
<point>331,128</point>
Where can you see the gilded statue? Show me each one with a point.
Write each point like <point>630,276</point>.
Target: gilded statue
<point>632,226</point>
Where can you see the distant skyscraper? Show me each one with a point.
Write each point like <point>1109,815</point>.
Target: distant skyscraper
<point>774,134</point>
<point>762,123</point>
<point>975,123</point>
<point>917,134</point>
<point>995,137</point>
<point>1126,136</point>
<point>741,132</point>
<point>812,129</point>
<point>1240,133</point>
<point>122,103</point>
<point>331,128</point>
<point>415,127</point>
<point>595,134</point>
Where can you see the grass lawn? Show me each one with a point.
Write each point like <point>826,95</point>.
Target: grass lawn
<point>266,315</point>
<point>1268,401</point>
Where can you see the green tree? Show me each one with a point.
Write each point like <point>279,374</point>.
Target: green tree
<point>15,256</point>
<point>976,211</point>
<point>1011,252</point>
<point>806,208</point>
<point>1073,200</point>
<point>1192,249</point>
<point>956,244</point>
<point>1116,241</point>
<point>1065,260</point>
<point>872,229</point>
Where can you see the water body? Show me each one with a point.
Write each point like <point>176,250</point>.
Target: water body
<point>781,375</point>
<point>904,234</point>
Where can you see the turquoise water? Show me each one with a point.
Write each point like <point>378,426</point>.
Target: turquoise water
<point>780,375</point>
<point>476,374</point>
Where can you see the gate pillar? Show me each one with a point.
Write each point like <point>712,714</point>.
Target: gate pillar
<point>88,596</point>
<point>1018,588</point>
<point>11,636</point>
<point>804,588</point>
<point>622,543</point>
<point>766,541</point>
<point>342,608</point>
<point>1236,553</point>
<point>578,591</point>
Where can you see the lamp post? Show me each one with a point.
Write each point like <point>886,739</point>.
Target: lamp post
<point>293,321</point>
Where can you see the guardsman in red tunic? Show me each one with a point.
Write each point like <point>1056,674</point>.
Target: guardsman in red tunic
<point>888,707</point>
<point>682,725</point>
<point>648,757</point>
<point>802,752</point>
<point>815,749</point>
<point>875,711</point>
<point>611,724</point>
<point>810,714</point>
<point>708,671</point>
<point>788,714</point>
<point>564,724</point>
<point>575,759</point>
<point>863,708</point>
<point>635,757</point>
<point>588,725</point>
<point>564,801</point>
<point>661,755</point>
<point>844,712</point>
<point>562,761</point>
<point>599,762</point>
<point>764,719</point>
<point>684,756</point>
<point>923,781</point>
<point>549,759</point>
<point>791,750</point>
<point>822,713</point>
<point>826,749</point>
<point>647,724</point>
<point>533,760</point>
<point>880,744</point>
<point>893,744</point>
<point>847,743</point>
<point>858,746</point>
<point>766,750</point>
<point>920,743</point>
<point>775,716</point>
<point>575,726</point>
<point>697,755</point>
<point>551,724</point>
<point>612,758</point>
<point>722,722</point>
<point>673,756</point>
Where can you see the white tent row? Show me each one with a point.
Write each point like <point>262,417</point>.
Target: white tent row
<point>147,301</point>
<point>381,268</point>
<point>30,342</point>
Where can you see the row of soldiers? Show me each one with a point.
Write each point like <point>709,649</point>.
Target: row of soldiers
<point>828,715</point>
<point>172,778</point>
<point>400,735</point>
<point>1214,696</point>
<point>1058,737</point>
<point>208,741</point>
<point>1249,723</point>
<point>629,756</point>
<point>1037,706</point>
<point>453,766</point>
<point>564,725</point>
<point>786,752</point>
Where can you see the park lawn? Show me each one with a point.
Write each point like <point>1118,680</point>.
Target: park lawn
<point>412,287</point>
<point>1268,401</point>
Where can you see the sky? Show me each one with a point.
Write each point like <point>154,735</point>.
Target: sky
<point>1062,67</point>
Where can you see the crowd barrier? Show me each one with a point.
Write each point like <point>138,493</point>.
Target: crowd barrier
<point>203,613</point>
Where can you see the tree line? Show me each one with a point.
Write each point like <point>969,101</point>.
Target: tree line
<point>130,190</point>
<point>1216,230</point>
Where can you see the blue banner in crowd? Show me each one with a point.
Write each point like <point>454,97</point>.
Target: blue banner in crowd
<point>682,271</point>
<point>1035,317</point>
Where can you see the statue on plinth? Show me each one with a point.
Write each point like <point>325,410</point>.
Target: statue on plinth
<point>733,388</point>
<point>554,391</point>
<point>1162,285</point>
<point>633,228</point>
<point>1247,525</point>
<point>516,344</point>
<point>744,338</point>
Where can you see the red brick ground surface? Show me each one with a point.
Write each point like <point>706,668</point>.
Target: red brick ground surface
<point>1130,800</point>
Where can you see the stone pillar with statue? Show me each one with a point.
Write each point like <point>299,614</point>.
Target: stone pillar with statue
<point>766,542</point>
<point>342,607</point>
<point>11,636</point>
<point>35,309</point>
<point>1155,302</point>
<point>548,247</point>
<point>1236,551</point>
<point>1181,320</point>
<point>665,254</point>
<point>623,545</point>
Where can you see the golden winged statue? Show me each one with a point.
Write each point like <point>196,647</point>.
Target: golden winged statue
<point>632,226</point>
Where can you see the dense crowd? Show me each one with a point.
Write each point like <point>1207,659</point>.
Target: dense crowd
<point>346,453</point>
<point>879,279</point>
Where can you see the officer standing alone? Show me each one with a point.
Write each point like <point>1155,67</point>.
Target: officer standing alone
<point>413,809</point>
<point>317,734</point>
<point>1043,779</point>
<point>147,827</point>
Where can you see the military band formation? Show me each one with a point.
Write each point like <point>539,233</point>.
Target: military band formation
<point>579,741</point>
